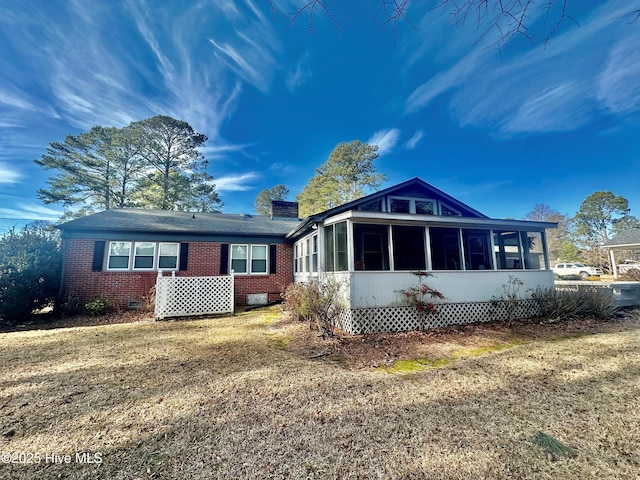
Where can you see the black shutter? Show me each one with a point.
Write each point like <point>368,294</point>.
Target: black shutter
<point>272,258</point>
<point>224,259</point>
<point>98,256</point>
<point>184,256</point>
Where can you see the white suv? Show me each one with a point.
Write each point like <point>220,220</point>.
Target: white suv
<point>627,265</point>
<point>566,269</point>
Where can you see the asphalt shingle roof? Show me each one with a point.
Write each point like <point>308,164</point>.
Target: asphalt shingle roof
<point>166,221</point>
<point>628,237</point>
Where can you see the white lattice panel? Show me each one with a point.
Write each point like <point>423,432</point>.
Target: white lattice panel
<point>407,318</point>
<point>184,296</point>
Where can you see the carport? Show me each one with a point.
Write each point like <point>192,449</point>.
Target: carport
<point>627,240</point>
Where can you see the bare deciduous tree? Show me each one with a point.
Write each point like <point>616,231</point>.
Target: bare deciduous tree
<point>508,18</point>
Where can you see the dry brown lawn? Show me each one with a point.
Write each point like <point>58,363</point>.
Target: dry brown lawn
<point>240,397</point>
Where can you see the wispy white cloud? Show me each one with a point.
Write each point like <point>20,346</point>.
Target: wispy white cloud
<point>8,174</point>
<point>282,167</point>
<point>386,140</point>
<point>561,108</point>
<point>444,81</point>
<point>542,89</point>
<point>31,211</point>
<point>141,20</point>
<point>89,70</point>
<point>297,76</point>
<point>250,57</point>
<point>415,140</point>
<point>235,183</point>
<point>221,150</point>
<point>618,86</point>
<point>15,101</point>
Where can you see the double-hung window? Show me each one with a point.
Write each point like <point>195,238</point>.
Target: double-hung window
<point>168,256</point>
<point>239,258</point>
<point>142,255</point>
<point>258,259</point>
<point>249,259</point>
<point>119,255</point>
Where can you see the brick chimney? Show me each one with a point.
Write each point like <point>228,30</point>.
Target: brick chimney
<point>282,209</point>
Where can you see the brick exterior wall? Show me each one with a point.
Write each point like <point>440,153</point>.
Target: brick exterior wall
<point>80,283</point>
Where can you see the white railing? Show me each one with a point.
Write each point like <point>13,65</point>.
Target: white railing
<point>186,296</point>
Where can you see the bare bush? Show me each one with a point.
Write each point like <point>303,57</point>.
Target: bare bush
<point>631,275</point>
<point>560,305</point>
<point>317,302</point>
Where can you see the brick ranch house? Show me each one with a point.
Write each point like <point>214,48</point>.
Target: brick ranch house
<point>371,246</point>
<point>117,253</point>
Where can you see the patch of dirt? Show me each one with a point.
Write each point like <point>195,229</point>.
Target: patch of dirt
<point>49,321</point>
<point>377,350</point>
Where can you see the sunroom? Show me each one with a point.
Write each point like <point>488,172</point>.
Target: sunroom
<point>373,247</point>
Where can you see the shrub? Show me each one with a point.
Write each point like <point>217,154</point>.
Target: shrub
<point>30,269</point>
<point>510,296</point>
<point>98,306</point>
<point>569,277</point>
<point>315,302</point>
<point>557,305</point>
<point>631,275</point>
<point>423,297</point>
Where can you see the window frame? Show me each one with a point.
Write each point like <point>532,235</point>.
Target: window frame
<point>412,204</point>
<point>232,247</point>
<point>135,256</point>
<point>110,255</point>
<point>336,246</point>
<point>132,256</point>
<point>401,237</point>
<point>177,256</point>
<point>448,207</point>
<point>252,255</point>
<point>371,242</point>
<point>249,259</point>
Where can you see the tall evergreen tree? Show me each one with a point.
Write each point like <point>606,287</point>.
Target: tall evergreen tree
<point>597,215</point>
<point>348,174</point>
<point>170,147</point>
<point>86,170</point>
<point>262,203</point>
<point>154,163</point>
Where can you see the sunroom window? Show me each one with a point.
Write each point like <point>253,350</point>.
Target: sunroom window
<point>408,248</point>
<point>371,247</point>
<point>307,255</point>
<point>314,253</point>
<point>447,211</point>
<point>412,205</point>
<point>399,205</point>
<point>445,248</point>
<point>424,207</point>
<point>507,248</point>
<point>476,249</point>
<point>533,247</point>
<point>335,247</point>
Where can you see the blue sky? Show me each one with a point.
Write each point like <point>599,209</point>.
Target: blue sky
<point>499,129</point>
